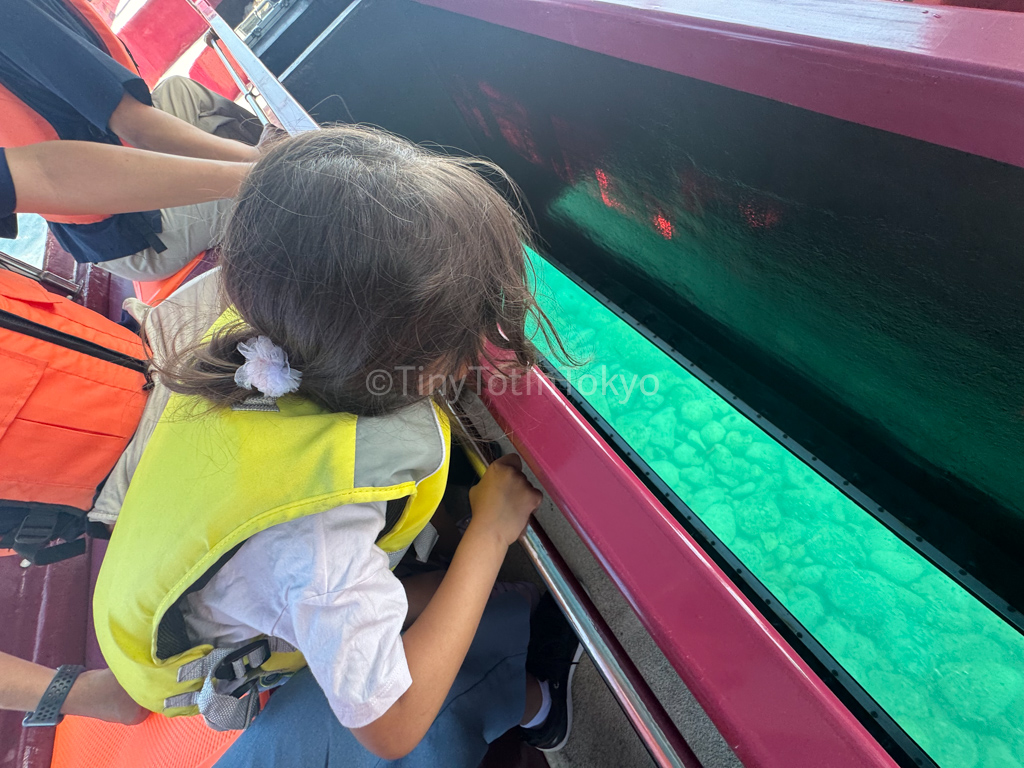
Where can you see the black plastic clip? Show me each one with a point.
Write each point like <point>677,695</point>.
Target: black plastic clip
<point>240,662</point>
<point>37,527</point>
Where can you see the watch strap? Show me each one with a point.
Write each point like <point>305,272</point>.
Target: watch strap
<point>48,710</point>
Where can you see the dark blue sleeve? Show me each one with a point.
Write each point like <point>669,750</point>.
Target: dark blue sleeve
<point>52,51</point>
<point>8,200</point>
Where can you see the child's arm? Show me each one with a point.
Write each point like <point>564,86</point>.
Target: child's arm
<point>78,177</point>
<point>437,642</point>
<point>94,694</point>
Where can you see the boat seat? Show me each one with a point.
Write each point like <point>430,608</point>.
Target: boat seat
<point>154,291</point>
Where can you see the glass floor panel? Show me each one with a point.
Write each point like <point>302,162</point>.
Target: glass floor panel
<point>948,670</point>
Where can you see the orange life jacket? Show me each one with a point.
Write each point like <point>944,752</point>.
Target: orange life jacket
<point>67,408</point>
<point>22,125</point>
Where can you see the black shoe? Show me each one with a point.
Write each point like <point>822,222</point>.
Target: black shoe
<point>553,654</point>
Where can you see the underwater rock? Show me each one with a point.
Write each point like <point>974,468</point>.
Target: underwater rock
<point>743,469</point>
<point>878,538</point>
<point>862,656</point>
<point>667,471</point>
<point>802,504</point>
<point>979,690</point>
<point>712,433</point>
<point>634,427</point>
<point>720,519</point>
<point>965,647</point>
<point>742,491</point>
<point>806,606</point>
<point>792,532</point>
<point>903,567</point>
<point>663,429</point>
<point>810,575</point>
<point>911,648</point>
<point>834,637</point>
<point>737,441</point>
<point>999,755</point>
<point>696,413</point>
<point>736,422</point>
<point>694,437</point>
<point>947,605</point>
<point>949,746</point>
<point>757,514</point>
<point>698,477</point>
<point>751,556</point>
<point>721,460</point>
<point>861,594</point>
<point>899,695</point>
<point>652,402</point>
<point>834,546</point>
<point>798,475</point>
<point>705,497</point>
<point>686,455</point>
<point>768,455</point>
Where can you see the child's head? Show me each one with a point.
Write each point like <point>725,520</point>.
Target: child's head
<point>357,251</point>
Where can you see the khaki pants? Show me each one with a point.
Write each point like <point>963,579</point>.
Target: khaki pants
<point>188,230</point>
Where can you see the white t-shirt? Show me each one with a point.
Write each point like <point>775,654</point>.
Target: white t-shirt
<point>321,584</point>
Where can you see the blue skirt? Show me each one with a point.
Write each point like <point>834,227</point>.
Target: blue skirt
<point>299,730</point>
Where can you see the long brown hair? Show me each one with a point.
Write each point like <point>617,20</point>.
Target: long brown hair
<point>357,251</point>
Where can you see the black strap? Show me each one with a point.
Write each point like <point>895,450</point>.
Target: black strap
<point>171,633</point>
<point>394,510</point>
<point>31,526</point>
<point>47,712</point>
<point>19,324</point>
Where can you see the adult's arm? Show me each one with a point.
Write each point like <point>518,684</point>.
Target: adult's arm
<point>94,694</point>
<point>147,127</point>
<point>75,177</point>
<point>49,52</point>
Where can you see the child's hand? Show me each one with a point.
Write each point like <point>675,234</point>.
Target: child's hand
<point>503,500</point>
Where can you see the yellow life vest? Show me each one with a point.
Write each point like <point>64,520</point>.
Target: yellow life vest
<point>208,481</point>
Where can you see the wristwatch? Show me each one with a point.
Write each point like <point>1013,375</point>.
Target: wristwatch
<point>48,710</point>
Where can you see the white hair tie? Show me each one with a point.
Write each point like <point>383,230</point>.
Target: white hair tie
<point>266,368</point>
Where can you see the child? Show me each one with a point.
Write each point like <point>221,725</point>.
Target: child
<point>302,455</point>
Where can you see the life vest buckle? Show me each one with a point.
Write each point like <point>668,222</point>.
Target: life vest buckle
<point>238,664</point>
<point>37,527</point>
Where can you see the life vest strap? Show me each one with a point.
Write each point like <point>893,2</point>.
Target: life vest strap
<point>221,667</point>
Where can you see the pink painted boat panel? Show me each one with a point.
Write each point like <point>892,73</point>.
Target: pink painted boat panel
<point>950,76</point>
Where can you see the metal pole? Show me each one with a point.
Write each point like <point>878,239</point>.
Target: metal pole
<point>238,83</point>
<point>293,117</point>
<point>644,712</point>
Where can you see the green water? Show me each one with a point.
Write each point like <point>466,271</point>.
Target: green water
<point>946,668</point>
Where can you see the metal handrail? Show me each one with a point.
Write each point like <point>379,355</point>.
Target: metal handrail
<point>645,713</point>
<point>641,707</point>
<point>242,87</point>
<point>290,115</point>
